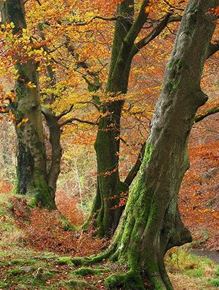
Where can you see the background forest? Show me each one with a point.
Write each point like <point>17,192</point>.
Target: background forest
<point>79,87</point>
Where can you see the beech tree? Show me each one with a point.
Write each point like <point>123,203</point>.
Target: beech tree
<point>106,213</point>
<point>31,161</point>
<point>151,223</point>
<point>27,108</point>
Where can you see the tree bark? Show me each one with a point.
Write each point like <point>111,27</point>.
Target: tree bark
<point>105,216</point>
<point>151,222</point>
<point>55,142</point>
<point>106,213</point>
<point>29,126</point>
<point>25,165</point>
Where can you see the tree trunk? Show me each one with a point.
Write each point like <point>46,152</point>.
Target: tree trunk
<point>105,215</point>
<point>106,211</point>
<point>55,142</point>
<point>151,222</point>
<point>25,165</point>
<point>29,126</point>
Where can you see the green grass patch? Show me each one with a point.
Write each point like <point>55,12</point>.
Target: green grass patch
<point>217,272</point>
<point>76,284</point>
<point>201,269</point>
<point>181,259</point>
<point>214,282</point>
<point>28,276</point>
<point>3,284</point>
<point>64,261</point>
<point>197,273</point>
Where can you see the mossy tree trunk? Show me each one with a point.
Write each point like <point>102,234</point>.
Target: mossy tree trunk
<point>105,214</point>
<point>31,170</point>
<point>151,222</point>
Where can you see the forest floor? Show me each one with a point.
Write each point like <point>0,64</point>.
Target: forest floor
<point>37,246</point>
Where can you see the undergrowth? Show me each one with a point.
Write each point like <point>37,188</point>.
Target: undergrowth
<point>37,246</point>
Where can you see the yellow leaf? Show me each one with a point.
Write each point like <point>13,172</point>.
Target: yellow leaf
<point>31,85</point>
<point>147,9</point>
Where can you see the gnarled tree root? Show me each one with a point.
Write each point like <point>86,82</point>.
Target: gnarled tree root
<point>127,281</point>
<point>82,261</point>
<point>85,271</point>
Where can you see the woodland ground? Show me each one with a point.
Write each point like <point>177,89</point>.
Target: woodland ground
<point>36,248</point>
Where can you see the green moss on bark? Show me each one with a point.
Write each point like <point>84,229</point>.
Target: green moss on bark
<point>85,271</point>
<point>125,281</point>
<point>43,193</point>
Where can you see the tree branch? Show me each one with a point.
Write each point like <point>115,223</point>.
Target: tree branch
<point>213,48</point>
<point>93,85</point>
<point>133,172</point>
<point>71,120</point>
<point>168,18</point>
<point>210,112</point>
<point>114,18</point>
<point>64,113</point>
<point>172,6</point>
<point>38,1</point>
<point>154,33</point>
<point>138,24</point>
<point>91,103</point>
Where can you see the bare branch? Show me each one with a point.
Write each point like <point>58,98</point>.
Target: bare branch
<point>137,24</point>
<point>134,170</point>
<point>93,85</point>
<point>91,103</point>
<point>64,113</point>
<point>172,6</point>
<point>210,112</point>
<point>97,17</point>
<point>168,18</point>
<point>38,1</point>
<point>213,48</point>
<point>71,120</point>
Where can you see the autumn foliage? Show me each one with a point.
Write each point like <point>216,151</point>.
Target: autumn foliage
<point>71,43</point>
<point>44,230</point>
<point>199,195</point>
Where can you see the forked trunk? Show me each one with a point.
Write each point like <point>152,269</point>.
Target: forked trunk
<point>31,170</point>
<point>30,136</point>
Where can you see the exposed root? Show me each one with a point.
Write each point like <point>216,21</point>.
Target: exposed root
<point>84,271</point>
<point>81,261</point>
<point>126,281</point>
<point>159,283</point>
